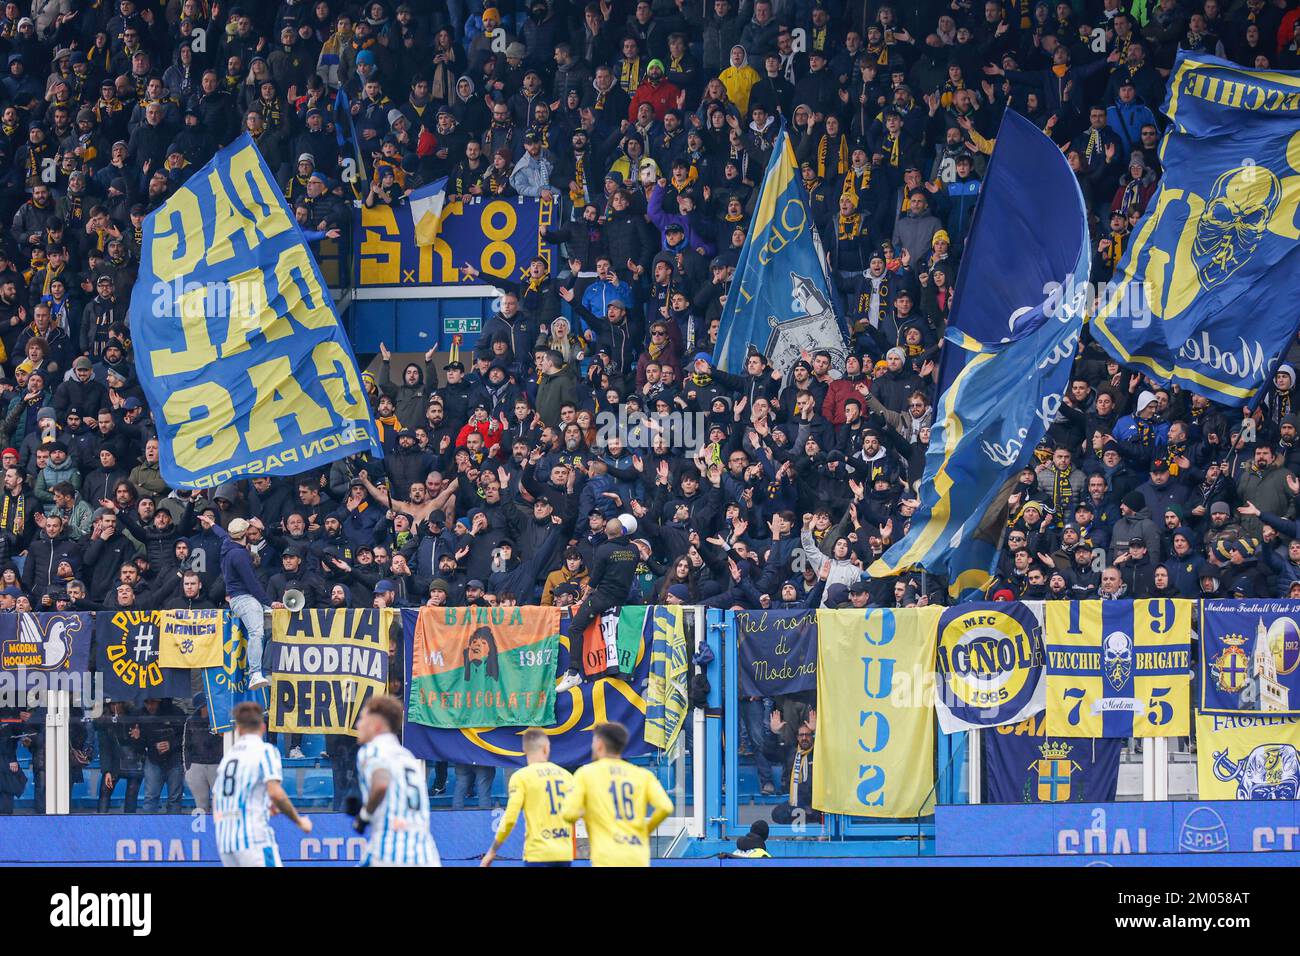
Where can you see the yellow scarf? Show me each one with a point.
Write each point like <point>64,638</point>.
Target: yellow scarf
<point>841,159</point>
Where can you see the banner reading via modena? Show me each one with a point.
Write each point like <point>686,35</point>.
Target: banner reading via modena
<point>325,665</point>
<point>497,236</point>
<point>239,349</point>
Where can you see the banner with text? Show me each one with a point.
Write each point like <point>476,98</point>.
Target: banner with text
<point>191,639</point>
<point>496,236</point>
<point>482,666</point>
<point>989,664</point>
<point>40,652</point>
<point>617,632</point>
<point>667,701</point>
<point>126,653</point>
<point>226,685</point>
<point>577,710</point>
<point>1023,764</point>
<point>1250,657</point>
<point>239,350</point>
<point>873,755</point>
<point>777,652</point>
<point>325,665</point>
<point>1247,757</point>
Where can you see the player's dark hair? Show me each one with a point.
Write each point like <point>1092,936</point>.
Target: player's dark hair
<point>247,716</point>
<point>613,735</point>
<point>388,708</point>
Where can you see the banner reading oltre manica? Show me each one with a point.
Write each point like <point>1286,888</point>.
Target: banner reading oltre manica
<point>483,666</point>
<point>240,352</point>
<point>325,665</point>
<point>873,754</point>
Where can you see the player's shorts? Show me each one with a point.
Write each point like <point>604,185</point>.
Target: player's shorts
<point>253,857</point>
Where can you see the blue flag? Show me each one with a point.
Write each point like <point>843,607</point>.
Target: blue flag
<point>1007,325</point>
<point>780,301</point>
<point>1023,764</point>
<point>240,352</point>
<point>1202,297</point>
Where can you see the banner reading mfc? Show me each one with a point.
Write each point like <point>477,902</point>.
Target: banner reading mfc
<point>240,351</point>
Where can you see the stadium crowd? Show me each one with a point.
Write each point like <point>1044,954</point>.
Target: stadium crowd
<point>649,124</point>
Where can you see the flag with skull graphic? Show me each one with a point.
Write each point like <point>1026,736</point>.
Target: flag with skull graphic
<point>1119,668</point>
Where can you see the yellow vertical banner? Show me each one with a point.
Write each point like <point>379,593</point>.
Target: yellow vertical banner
<point>873,754</point>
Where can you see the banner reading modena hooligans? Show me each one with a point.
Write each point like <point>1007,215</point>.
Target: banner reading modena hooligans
<point>240,352</point>
<point>989,664</point>
<point>1202,297</point>
<point>873,754</point>
<point>483,666</point>
<point>1250,657</point>
<point>1247,758</point>
<point>325,665</point>
<point>1119,668</point>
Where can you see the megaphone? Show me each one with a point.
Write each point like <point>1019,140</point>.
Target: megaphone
<point>295,600</point>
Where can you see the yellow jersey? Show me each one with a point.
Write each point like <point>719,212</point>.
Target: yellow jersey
<point>539,790</point>
<point>614,796</point>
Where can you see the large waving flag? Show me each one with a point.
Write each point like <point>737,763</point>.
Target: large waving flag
<point>1007,325</point>
<point>241,354</point>
<point>426,205</point>
<point>780,301</point>
<point>1203,295</point>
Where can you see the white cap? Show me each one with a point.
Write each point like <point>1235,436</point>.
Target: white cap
<point>628,522</point>
<point>1145,399</point>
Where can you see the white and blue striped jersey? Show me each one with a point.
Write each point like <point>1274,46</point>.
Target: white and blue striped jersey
<point>399,829</point>
<point>240,805</point>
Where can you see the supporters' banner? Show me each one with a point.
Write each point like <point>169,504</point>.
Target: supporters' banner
<point>777,652</point>
<point>1008,325</point>
<point>126,654</point>
<point>482,666</point>
<point>191,639</point>
<point>1022,764</point>
<point>1202,296</point>
<point>873,755</point>
<point>325,665</point>
<point>667,702</point>
<point>47,642</point>
<point>1119,668</point>
<point>577,710</point>
<point>497,236</point>
<point>617,631</point>
<point>989,664</point>
<point>240,352</point>
<point>780,301</point>
<point>226,685</point>
<point>1250,657</point>
<point>1241,757</point>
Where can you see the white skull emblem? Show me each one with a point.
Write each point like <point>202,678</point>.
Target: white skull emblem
<point>1117,658</point>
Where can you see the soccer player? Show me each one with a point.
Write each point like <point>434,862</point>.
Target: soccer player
<point>539,790</point>
<point>614,795</point>
<point>393,795</point>
<point>248,783</point>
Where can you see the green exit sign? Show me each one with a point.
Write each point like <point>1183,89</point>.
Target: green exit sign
<point>461,326</point>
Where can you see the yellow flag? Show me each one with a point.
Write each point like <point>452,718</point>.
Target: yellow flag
<point>190,639</point>
<point>1243,757</point>
<point>1119,668</point>
<point>873,754</point>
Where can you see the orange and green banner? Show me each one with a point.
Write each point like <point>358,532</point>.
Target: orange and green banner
<point>484,667</point>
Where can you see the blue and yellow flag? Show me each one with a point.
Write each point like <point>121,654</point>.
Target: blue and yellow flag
<point>1119,668</point>
<point>192,639</point>
<point>780,301</point>
<point>667,702</point>
<point>240,352</point>
<point>1203,296</point>
<point>1008,325</point>
<point>873,753</point>
<point>1240,757</point>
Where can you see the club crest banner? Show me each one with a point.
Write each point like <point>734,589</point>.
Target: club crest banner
<point>1119,668</point>
<point>1250,657</point>
<point>325,665</point>
<point>776,651</point>
<point>1022,764</point>
<point>1242,757</point>
<point>577,710</point>
<point>989,664</point>
<point>482,666</point>
<point>873,755</point>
